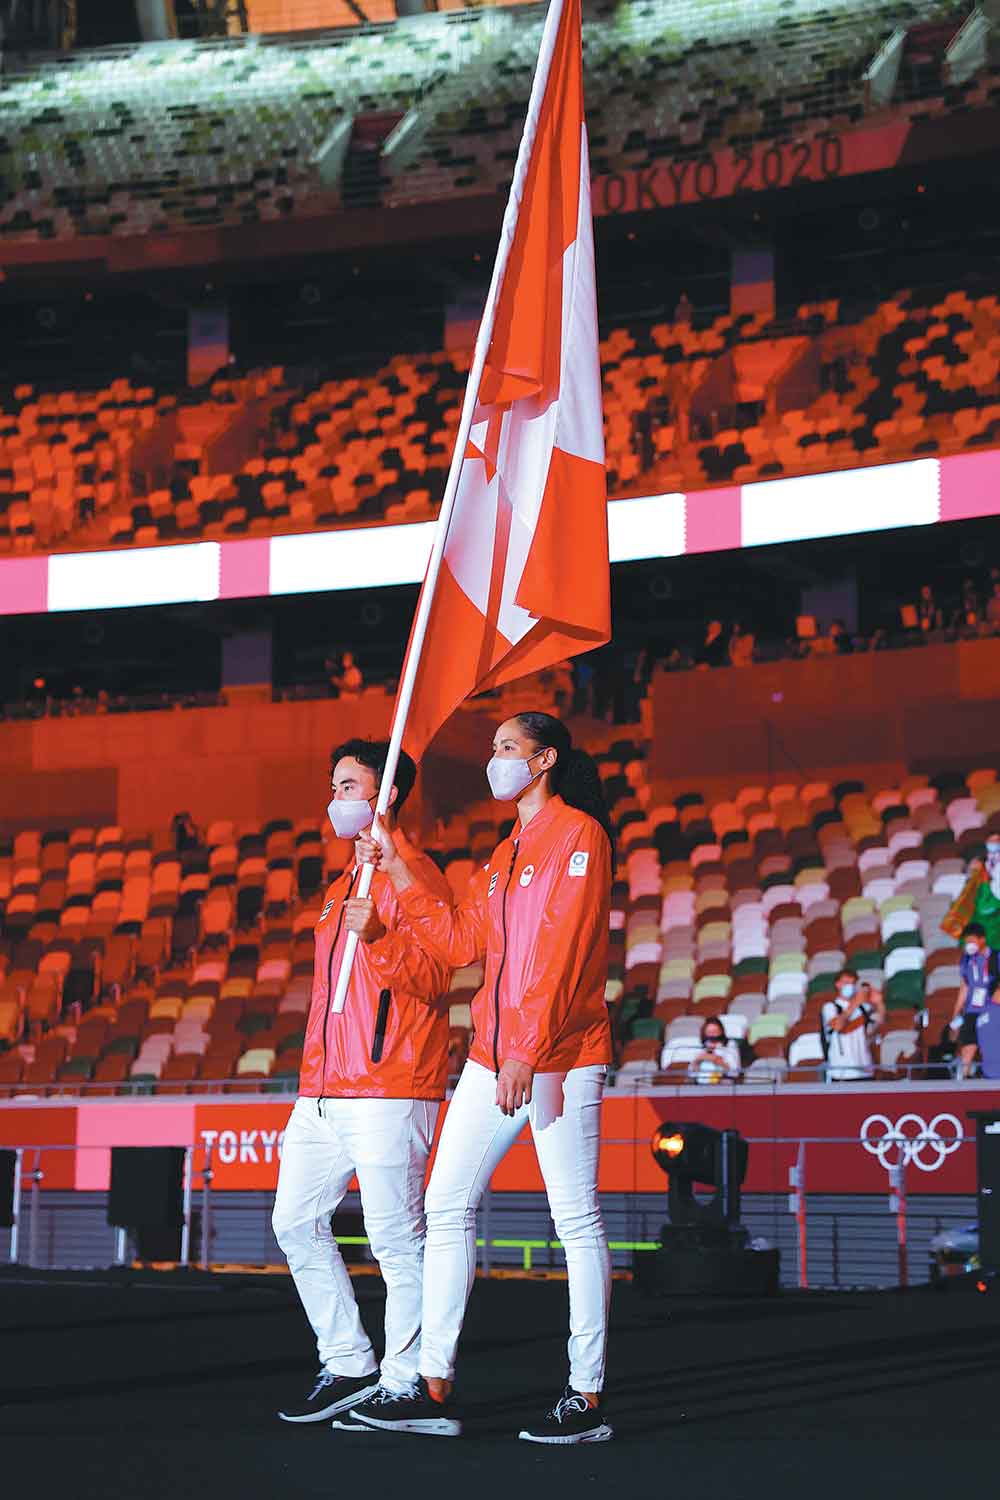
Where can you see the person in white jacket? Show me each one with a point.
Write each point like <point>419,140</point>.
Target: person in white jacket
<point>719,1058</point>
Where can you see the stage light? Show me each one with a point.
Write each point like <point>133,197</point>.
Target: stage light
<point>670,1146</point>
<point>981,1286</point>
<point>703,1248</point>
<point>690,1153</point>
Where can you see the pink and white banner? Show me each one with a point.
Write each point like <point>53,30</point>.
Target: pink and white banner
<point>917,492</point>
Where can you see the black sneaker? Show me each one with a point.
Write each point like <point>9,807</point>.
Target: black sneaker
<point>331,1394</point>
<point>414,1410</point>
<point>571,1420</point>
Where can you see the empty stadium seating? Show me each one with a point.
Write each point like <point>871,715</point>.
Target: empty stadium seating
<point>664,82</point>
<point>68,458</point>
<point>137,140</point>
<point>125,965</point>
<point>916,374</point>
<point>64,457</point>
<point>750,907</point>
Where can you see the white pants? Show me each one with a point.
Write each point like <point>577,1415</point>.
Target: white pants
<point>565,1119</point>
<point>386,1143</point>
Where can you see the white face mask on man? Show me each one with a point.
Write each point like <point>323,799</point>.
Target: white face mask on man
<point>848,988</point>
<point>508,778</point>
<point>971,947</point>
<point>349,816</point>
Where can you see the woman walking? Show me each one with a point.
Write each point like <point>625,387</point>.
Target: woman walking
<point>537,915</point>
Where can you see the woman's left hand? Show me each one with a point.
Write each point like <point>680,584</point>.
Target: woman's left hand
<point>514,1086</point>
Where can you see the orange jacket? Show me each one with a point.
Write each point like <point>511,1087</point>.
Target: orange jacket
<point>538,915</point>
<point>395,989</point>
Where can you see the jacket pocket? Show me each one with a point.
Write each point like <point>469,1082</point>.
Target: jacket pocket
<point>381,1022</point>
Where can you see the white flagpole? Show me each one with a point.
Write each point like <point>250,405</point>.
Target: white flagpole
<point>404,696</point>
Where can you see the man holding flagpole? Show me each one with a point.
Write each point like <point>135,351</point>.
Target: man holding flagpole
<point>371,1083</point>
<point>518,579</point>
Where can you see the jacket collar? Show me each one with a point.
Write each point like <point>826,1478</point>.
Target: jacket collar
<point>543,819</point>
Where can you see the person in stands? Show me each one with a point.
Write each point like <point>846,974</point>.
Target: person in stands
<point>970,607</point>
<point>928,613</point>
<point>848,1022</point>
<point>537,914</point>
<point>988,1037</point>
<point>185,832</point>
<point>993,609</point>
<point>978,902</point>
<point>719,1059</point>
<point>349,681</point>
<point>371,1084</point>
<point>979,968</point>
<point>741,646</point>
<point>713,651</point>
<point>842,643</point>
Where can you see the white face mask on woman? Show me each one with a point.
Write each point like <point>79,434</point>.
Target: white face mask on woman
<point>508,778</point>
<point>847,989</point>
<point>349,816</point>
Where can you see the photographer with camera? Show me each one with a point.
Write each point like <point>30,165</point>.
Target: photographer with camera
<point>848,1022</point>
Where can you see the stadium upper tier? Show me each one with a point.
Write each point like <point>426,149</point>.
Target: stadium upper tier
<point>126,965</point>
<point>167,136</point>
<point>724,401</point>
<point>278,16</point>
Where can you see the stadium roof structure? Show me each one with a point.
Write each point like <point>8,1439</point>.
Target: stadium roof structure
<point>686,101</point>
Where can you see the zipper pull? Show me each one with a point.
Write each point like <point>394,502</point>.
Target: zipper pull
<point>381,1021</point>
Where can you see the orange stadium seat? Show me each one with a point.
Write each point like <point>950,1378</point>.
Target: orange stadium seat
<point>745,907</point>
<point>344,457</point>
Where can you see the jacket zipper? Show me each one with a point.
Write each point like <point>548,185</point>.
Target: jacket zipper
<point>503,960</point>
<point>329,975</point>
<point>381,1023</point>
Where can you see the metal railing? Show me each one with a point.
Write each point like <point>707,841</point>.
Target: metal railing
<point>29,1168</point>
<point>899,1154</point>
<point>642,1081</point>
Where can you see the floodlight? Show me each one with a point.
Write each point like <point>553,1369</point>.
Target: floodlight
<point>691,1153</point>
<point>704,1249</point>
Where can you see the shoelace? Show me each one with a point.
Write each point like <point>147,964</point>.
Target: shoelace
<point>324,1378</point>
<point>383,1397</point>
<point>567,1404</point>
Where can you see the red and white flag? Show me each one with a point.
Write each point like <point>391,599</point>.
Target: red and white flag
<point>518,577</point>
<point>524,576</point>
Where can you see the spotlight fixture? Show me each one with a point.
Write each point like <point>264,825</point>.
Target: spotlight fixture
<point>690,1153</point>
<point>704,1250</point>
<point>667,1148</point>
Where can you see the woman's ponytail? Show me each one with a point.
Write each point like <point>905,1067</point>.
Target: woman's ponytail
<point>580,785</point>
<point>575,775</point>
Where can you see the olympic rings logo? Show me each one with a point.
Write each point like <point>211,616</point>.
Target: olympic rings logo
<point>910,1139</point>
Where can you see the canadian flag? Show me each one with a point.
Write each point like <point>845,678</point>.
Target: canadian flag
<point>520,579</point>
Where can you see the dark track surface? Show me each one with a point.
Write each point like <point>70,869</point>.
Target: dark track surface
<point>167,1388</point>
